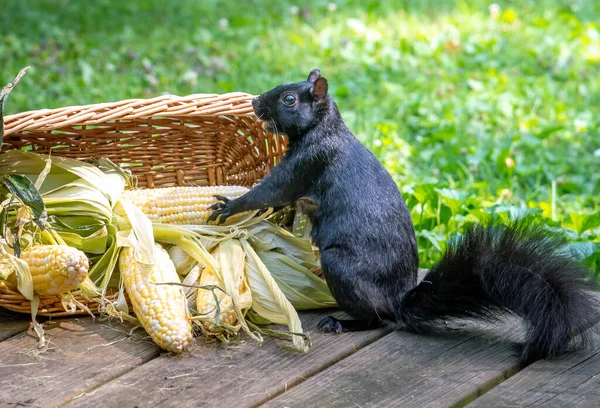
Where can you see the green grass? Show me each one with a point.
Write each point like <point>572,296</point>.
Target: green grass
<point>474,114</point>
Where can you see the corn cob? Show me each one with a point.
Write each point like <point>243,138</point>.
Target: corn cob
<point>181,205</point>
<point>161,309</point>
<point>206,304</point>
<point>55,269</point>
<point>230,259</point>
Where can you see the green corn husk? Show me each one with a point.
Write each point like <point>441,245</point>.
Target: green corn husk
<point>63,171</point>
<point>78,196</point>
<point>102,272</point>
<point>301,287</point>
<point>79,200</point>
<point>266,236</point>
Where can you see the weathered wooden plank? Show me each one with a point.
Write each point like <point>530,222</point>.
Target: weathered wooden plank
<point>570,381</point>
<point>413,370</point>
<point>12,323</point>
<point>81,355</point>
<point>237,376</point>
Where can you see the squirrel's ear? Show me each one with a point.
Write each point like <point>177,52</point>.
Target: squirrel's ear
<point>314,75</point>
<point>319,88</point>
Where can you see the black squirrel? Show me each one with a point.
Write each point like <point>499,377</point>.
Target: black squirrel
<point>368,247</point>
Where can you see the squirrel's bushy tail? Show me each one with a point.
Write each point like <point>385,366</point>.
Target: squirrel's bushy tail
<point>519,268</point>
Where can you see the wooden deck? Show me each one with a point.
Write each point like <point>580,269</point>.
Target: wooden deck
<point>101,364</point>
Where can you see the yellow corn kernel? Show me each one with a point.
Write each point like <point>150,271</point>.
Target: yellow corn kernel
<point>161,309</point>
<point>181,205</point>
<point>230,258</point>
<point>206,304</point>
<point>55,269</point>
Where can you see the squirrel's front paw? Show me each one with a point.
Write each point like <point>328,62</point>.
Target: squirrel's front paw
<point>223,209</point>
<point>330,324</point>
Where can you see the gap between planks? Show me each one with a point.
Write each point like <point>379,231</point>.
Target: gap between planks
<point>12,323</point>
<point>572,380</point>
<point>81,355</point>
<point>414,370</point>
<point>406,369</point>
<point>242,374</point>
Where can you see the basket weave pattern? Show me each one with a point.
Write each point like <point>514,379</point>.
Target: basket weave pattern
<point>200,139</point>
<point>49,305</point>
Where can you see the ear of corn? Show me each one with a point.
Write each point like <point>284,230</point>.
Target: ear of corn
<point>161,309</point>
<point>55,269</point>
<point>206,304</point>
<point>182,205</point>
<point>230,257</point>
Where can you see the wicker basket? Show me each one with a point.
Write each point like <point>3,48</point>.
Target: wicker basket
<point>200,139</point>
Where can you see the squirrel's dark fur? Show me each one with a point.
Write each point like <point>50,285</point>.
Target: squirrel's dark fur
<point>367,240</point>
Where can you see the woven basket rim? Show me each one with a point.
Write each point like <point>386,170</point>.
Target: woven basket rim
<point>171,106</point>
<point>18,303</point>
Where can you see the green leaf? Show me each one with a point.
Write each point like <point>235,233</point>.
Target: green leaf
<point>582,222</point>
<point>433,237</point>
<point>425,193</point>
<point>64,170</point>
<point>26,192</point>
<point>581,250</point>
<point>512,213</point>
<point>454,199</point>
<point>548,131</point>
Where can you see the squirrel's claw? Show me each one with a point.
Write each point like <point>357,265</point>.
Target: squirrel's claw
<point>222,209</point>
<point>222,198</point>
<point>330,324</point>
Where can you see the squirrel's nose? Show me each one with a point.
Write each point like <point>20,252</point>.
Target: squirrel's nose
<point>255,101</point>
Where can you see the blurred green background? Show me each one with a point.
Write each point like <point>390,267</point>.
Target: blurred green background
<point>478,109</point>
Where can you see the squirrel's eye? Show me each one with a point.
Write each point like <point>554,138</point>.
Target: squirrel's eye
<point>289,99</point>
